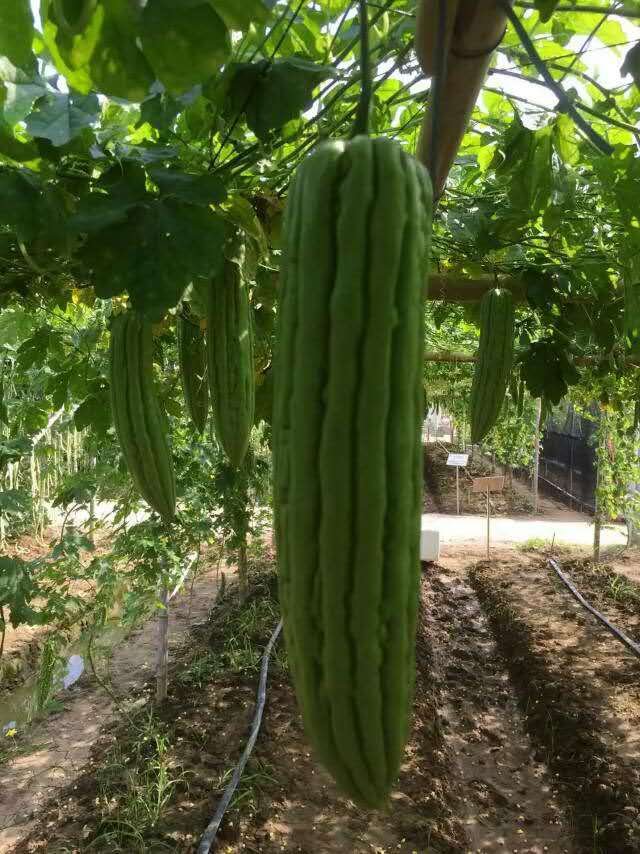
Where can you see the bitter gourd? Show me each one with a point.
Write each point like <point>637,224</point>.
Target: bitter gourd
<point>348,407</point>
<point>230,359</point>
<point>495,361</point>
<point>136,413</point>
<point>192,358</point>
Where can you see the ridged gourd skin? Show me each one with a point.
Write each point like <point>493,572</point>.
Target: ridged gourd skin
<point>192,359</point>
<point>347,449</point>
<point>136,413</point>
<point>230,360</point>
<point>495,361</point>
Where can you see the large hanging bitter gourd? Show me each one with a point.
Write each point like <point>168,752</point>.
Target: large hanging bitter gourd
<point>347,450</point>
<point>136,413</point>
<point>192,358</point>
<point>230,360</point>
<point>495,361</point>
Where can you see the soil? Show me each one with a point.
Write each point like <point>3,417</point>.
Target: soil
<point>524,739</point>
<point>510,799</point>
<point>580,692</point>
<point>56,749</point>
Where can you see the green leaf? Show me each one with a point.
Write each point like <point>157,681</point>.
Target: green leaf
<point>13,501</point>
<point>632,314</point>
<point>16,32</point>
<point>17,590</point>
<point>94,44</point>
<point>270,95</point>
<point>94,413</point>
<point>98,211</point>
<point>565,140</point>
<point>59,118</point>
<point>21,89</point>
<point>546,8</point>
<point>240,16</point>
<point>14,149</point>
<point>631,64</point>
<point>160,111</point>
<point>185,43</point>
<point>13,450</point>
<point>155,254</point>
<point>117,65</point>
<point>240,212</point>
<point>197,189</point>
<point>19,203</point>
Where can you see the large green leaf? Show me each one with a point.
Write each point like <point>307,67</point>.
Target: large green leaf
<point>59,118</point>
<point>94,44</point>
<point>271,94</point>
<point>185,42</point>
<point>155,254</point>
<point>16,32</point>
<point>20,201</point>
<point>197,189</point>
<point>240,15</point>
<point>21,90</point>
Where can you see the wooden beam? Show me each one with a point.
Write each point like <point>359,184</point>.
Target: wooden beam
<point>451,357</point>
<point>459,289</point>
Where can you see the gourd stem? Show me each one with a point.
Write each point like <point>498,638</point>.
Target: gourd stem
<point>361,124</point>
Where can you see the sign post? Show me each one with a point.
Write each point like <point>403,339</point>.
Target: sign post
<point>488,485</point>
<point>457,460</point>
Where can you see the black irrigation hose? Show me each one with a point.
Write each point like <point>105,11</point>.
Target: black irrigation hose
<point>618,635</point>
<point>209,836</point>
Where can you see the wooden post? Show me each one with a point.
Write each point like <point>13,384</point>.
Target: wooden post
<point>162,665</point>
<point>458,490</point>
<point>243,573</point>
<point>536,456</point>
<point>488,525</point>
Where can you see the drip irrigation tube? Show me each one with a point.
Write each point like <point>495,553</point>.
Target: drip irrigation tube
<point>209,836</point>
<point>631,645</point>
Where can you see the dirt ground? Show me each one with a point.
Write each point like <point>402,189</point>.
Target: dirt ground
<point>63,741</point>
<point>525,735</point>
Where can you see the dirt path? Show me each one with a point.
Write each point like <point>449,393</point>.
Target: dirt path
<point>62,742</point>
<point>510,804</point>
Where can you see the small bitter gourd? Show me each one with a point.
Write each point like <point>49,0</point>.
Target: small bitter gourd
<point>495,361</point>
<point>192,359</point>
<point>348,407</point>
<point>230,359</point>
<point>136,413</point>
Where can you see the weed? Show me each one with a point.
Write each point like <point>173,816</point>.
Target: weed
<point>621,589</point>
<point>133,790</point>
<point>258,774</point>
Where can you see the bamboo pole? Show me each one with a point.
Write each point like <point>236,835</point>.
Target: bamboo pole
<point>162,664</point>
<point>536,456</point>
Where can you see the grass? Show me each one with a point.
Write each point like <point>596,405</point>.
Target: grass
<point>622,590</point>
<point>549,547</point>
<point>134,788</point>
<point>244,629</point>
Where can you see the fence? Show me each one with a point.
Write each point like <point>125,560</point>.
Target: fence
<point>568,468</point>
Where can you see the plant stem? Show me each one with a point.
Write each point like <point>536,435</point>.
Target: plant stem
<point>361,124</point>
<point>565,103</point>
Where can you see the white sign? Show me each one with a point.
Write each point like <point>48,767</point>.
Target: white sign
<point>457,460</point>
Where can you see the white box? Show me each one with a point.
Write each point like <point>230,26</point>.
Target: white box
<point>429,544</point>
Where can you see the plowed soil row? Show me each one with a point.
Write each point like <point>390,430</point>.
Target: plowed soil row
<point>580,694</point>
